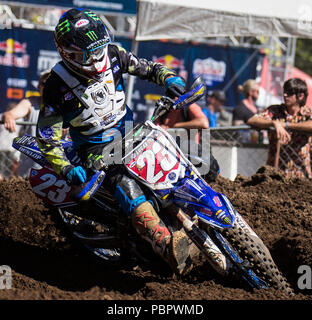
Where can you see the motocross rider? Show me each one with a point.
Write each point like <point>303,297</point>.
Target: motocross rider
<point>85,93</point>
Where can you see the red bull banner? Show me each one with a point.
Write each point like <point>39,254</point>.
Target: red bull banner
<point>24,54</point>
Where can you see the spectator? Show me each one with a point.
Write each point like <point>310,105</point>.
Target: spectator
<point>191,118</point>
<point>289,150</point>
<point>8,155</point>
<point>217,116</point>
<point>28,109</point>
<point>247,107</point>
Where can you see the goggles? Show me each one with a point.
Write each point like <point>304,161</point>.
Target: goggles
<point>89,56</point>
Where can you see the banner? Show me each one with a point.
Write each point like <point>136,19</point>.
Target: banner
<point>217,65</point>
<point>26,53</point>
<point>145,93</point>
<point>113,6</point>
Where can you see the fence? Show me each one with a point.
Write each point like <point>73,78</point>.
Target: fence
<point>238,150</point>
<point>9,157</point>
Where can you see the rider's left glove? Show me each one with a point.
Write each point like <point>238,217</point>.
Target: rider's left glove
<point>175,86</point>
<point>77,175</point>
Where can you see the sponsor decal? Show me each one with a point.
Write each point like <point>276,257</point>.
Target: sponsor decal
<point>210,70</point>
<point>34,173</point>
<point>31,94</point>
<point>92,35</point>
<point>26,140</point>
<point>206,212</point>
<point>16,82</point>
<point>62,28</point>
<point>170,61</point>
<point>222,215</point>
<point>13,93</point>
<point>217,202</point>
<point>46,132</point>
<point>15,54</point>
<point>116,68</point>
<point>227,220</point>
<point>32,153</point>
<point>12,46</point>
<point>68,96</point>
<point>172,175</point>
<point>47,59</point>
<point>80,23</point>
<point>108,119</point>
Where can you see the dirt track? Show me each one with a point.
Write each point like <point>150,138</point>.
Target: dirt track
<point>45,265</point>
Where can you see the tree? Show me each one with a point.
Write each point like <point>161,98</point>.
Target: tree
<point>303,55</point>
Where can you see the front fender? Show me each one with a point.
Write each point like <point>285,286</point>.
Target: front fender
<point>197,197</point>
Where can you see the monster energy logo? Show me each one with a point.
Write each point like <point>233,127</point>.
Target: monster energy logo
<point>92,15</point>
<point>92,35</point>
<point>62,28</point>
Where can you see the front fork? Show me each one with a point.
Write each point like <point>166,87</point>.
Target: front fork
<point>204,243</point>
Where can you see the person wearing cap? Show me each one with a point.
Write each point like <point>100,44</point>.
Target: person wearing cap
<point>247,107</point>
<point>217,116</point>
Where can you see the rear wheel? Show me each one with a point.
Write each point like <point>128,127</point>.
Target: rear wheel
<point>251,248</point>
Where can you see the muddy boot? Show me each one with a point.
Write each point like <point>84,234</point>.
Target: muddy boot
<point>174,249</point>
<point>179,253</point>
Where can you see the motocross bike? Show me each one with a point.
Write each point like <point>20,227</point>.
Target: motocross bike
<point>181,197</point>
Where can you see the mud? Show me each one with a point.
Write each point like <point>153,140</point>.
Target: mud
<point>47,265</point>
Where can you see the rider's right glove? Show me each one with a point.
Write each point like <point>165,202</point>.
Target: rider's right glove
<point>76,175</point>
<point>175,86</point>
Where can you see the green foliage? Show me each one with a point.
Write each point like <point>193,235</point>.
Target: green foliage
<point>303,56</point>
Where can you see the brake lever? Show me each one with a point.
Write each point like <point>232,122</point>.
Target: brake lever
<point>164,104</point>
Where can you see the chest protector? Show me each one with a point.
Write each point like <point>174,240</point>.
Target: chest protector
<point>103,105</point>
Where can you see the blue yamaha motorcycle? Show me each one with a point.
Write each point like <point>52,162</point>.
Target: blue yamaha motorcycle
<point>182,198</point>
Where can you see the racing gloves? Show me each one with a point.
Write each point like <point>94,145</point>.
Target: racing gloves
<point>76,175</point>
<point>175,86</point>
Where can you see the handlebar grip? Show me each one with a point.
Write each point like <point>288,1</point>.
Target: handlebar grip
<point>84,192</point>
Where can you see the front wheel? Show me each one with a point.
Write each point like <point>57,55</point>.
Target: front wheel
<point>251,248</point>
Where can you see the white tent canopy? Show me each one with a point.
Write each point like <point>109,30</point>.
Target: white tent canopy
<point>189,19</point>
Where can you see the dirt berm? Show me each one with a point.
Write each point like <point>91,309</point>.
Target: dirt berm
<point>47,265</point>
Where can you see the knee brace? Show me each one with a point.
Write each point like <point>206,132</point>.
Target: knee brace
<point>129,194</point>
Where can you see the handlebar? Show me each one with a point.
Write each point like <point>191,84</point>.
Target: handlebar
<point>165,104</point>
